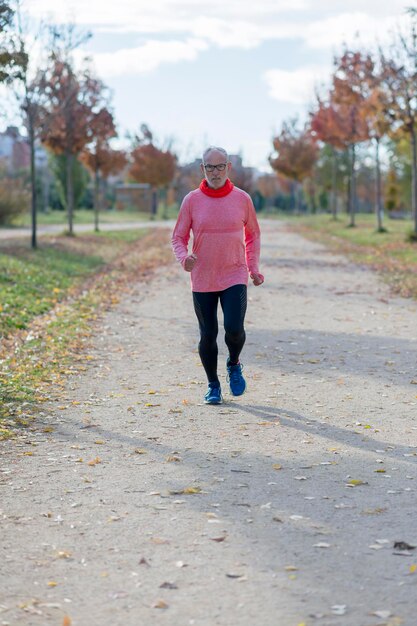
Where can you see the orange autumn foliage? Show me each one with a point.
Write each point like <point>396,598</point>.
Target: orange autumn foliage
<point>152,165</point>
<point>296,152</point>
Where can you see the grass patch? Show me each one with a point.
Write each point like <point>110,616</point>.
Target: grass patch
<point>389,252</point>
<point>82,216</point>
<point>93,271</point>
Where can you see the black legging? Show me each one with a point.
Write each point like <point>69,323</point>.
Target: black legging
<point>233,302</point>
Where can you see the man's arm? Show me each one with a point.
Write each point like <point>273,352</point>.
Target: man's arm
<point>253,244</point>
<point>181,237</point>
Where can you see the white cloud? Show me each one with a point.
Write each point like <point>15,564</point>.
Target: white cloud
<point>147,57</point>
<point>146,16</point>
<point>296,86</point>
<point>178,28</point>
<point>350,28</point>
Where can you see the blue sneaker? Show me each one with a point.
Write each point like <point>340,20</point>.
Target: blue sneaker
<point>235,378</point>
<point>214,394</point>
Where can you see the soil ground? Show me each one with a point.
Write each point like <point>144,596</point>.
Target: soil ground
<point>132,503</point>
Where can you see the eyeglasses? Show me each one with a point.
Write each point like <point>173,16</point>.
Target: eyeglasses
<point>210,168</point>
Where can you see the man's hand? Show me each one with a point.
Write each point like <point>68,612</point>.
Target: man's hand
<point>257,278</point>
<point>189,262</point>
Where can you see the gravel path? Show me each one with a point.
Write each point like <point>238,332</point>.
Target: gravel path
<point>135,504</point>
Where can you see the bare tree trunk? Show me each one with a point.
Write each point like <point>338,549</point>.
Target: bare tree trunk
<point>70,192</point>
<point>33,180</point>
<point>154,203</point>
<point>414,178</point>
<point>352,195</point>
<point>96,199</point>
<point>334,183</point>
<point>379,209</point>
<point>45,189</point>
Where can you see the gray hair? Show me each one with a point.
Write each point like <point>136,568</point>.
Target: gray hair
<point>215,149</point>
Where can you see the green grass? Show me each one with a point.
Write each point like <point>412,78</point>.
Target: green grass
<point>127,236</point>
<point>365,231</point>
<point>84,216</point>
<point>33,281</point>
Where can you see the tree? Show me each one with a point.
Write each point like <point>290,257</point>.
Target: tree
<point>329,127</point>
<point>379,126</point>
<point>100,159</point>
<point>79,175</point>
<point>330,174</point>
<point>399,80</point>
<point>295,155</point>
<point>348,94</point>
<point>30,96</point>
<point>152,165</point>
<point>12,57</point>
<point>73,103</point>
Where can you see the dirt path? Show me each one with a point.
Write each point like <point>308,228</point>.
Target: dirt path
<point>100,518</point>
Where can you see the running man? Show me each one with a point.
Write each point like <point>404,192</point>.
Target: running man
<point>226,247</point>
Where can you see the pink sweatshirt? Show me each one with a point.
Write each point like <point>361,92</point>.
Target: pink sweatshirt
<point>226,239</point>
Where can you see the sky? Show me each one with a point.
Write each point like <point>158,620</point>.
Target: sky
<point>218,72</point>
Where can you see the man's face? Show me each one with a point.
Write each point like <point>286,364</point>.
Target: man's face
<point>216,178</point>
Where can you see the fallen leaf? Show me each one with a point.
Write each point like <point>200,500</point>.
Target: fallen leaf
<point>218,539</point>
<point>277,466</point>
<point>66,621</point>
<point>413,568</point>
<point>339,609</point>
<point>52,583</point>
<point>168,586</point>
<point>63,554</point>
<point>160,604</point>
<point>403,545</point>
<point>191,490</point>
<point>376,511</point>
<point>355,483</point>
<point>382,614</point>
<point>140,451</point>
<point>99,442</point>
<point>94,461</point>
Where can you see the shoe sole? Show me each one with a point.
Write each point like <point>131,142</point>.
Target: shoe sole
<point>214,403</point>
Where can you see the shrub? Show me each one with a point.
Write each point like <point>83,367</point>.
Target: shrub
<point>14,199</point>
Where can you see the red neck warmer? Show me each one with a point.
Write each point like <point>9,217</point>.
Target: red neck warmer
<point>216,193</point>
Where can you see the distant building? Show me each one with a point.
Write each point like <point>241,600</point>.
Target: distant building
<point>135,196</point>
<point>14,150</point>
